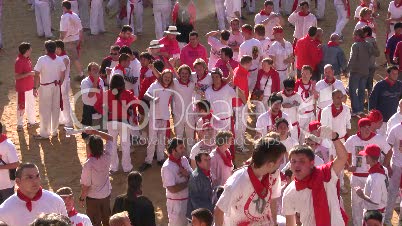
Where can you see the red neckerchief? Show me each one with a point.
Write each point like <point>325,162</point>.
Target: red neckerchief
<point>377,168</point>
<point>52,55</point>
<point>286,95</point>
<point>121,68</point>
<point>93,80</point>
<point>306,92</point>
<point>315,182</point>
<point>227,157</point>
<point>200,79</point>
<point>260,187</point>
<point>263,13</point>
<point>176,161</point>
<point>90,155</point>
<point>69,12</point>
<point>274,117</point>
<point>222,85</point>
<point>329,82</point>
<point>3,137</point>
<point>143,70</point>
<point>331,43</point>
<point>363,5</point>
<point>72,212</point>
<point>390,83</point>
<point>207,118</point>
<point>63,53</point>
<point>27,200</point>
<point>206,172</point>
<point>336,112</point>
<point>372,134</point>
<point>301,13</point>
<point>184,84</point>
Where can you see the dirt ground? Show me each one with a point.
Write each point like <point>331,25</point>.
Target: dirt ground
<point>60,159</point>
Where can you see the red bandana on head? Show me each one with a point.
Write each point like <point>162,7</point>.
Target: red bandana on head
<point>336,112</point>
<point>260,187</point>
<point>121,68</point>
<point>72,212</point>
<point>377,168</point>
<point>27,200</point>
<point>176,161</point>
<point>52,55</point>
<point>3,137</point>
<point>226,157</point>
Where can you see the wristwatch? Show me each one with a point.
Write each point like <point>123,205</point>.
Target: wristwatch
<point>336,137</point>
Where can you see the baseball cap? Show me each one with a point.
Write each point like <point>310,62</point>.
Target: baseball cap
<point>364,122</point>
<point>375,116</point>
<point>371,150</point>
<point>313,125</point>
<point>64,191</point>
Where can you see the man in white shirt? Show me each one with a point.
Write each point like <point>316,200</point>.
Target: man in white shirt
<point>233,9</point>
<point>49,74</point>
<point>290,106</point>
<point>66,193</point>
<point>302,19</point>
<point>251,193</point>
<point>268,18</point>
<point>132,81</point>
<point>71,35</point>
<point>9,162</point>
<point>216,45</point>
<point>30,200</point>
<point>236,37</point>
<point>175,173</point>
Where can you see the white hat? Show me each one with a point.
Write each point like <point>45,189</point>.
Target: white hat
<point>172,30</point>
<point>154,44</point>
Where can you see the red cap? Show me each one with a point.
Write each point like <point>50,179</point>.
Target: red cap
<point>277,30</point>
<point>313,125</point>
<point>364,122</point>
<point>375,116</point>
<point>371,150</point>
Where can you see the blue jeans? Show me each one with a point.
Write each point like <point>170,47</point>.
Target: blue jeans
<point>357,87</point>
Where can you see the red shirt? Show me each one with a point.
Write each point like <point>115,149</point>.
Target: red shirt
<point>240,80</point>
<point>222,65</point>
<point>398,53</point>
<point>117,109</point>
<point>23,65</point>
<point>170,46</point>
<point>274,75</point>
<point>189,54</point>
<point>124,41</point>
<point>307,53</point>
<point>191,10</point>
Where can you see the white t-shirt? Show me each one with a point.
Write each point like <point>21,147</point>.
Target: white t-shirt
<point>200,146</point>
<point>87,84</point>
<point>354,145</point>
<point>265,45</point>
<point>253,48</point>
<point>294,201</point>
<point>395,139</point>
<point>160,108</point>
<point>71,23</point>
<point>219,171</point>
<point>325,87</point>
<point>376,188</point>
<point>231,7</point>
<point>293,111</point>
<point>394,12</point>
<point>8,154</point>
<point>182,100</point>
<point>67,72</point>
<point>280,53</point>
<point>49,69</point>
<point>394,120</point>
<point>302,23</point>
<point>221,101</point>
<point>338,124</point>
<point>235,40</point>
<point>215,52</point>
<point>14,211</point>
<point>240,203</point>
<point>202,85</point>
<point>264,123</point>
<point>170,177</point>
<point>135,67</point>
<point>80,218</point>
<point>271,24</point>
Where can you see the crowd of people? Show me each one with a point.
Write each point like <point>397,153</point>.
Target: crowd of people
<point>192,110</point>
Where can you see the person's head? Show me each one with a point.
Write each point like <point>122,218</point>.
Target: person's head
<point>376,119</point>
<point>203,160</point>
<point>225,34</point>
<point>259,30</point>
<point>134,184</point>
<point>246,61</point>
<point>59,47</point>
<point>235,24</point>
<point>289,85</point>
<point>216,75</point>
<point>319,34</point>
<point>145,59</point>
<point>392,73</point>
<point>25,49</point>
<point>301,159</point>
<point>329,72</point>
<point>277,32</point>
<point>365,13</point>
<point>337,97</point>
<point>120,219</point>
<point>335,38</point>
<point>166,78</point>
<point>184,72</point>
<point>208,132</point>
<point>226,53</point>
<point>267,64</point>
<point>224,139</point>
<point>155,47</point>
<point>358,34</point>
<point>201,217</point>
<point>124,60</point>
<point>312,31</point>
<point>126,50</point>
<point>268,6</point>
<point>66,193</point>
<point>200,67</point>
<point>312,141</point>
<point>159,65</point>
<point>372,153</point>
<point>364,127</point>
<point>306,72</point>
<point>368,32</point>
<point>203,107</point>
<point>114,52</point>
<point>27,178</point>
<point>193,39</point>
<point>93,69</point>
<point>3,223</point>
<point>304,6</point>
<point>50,46</point>
<point>268,155</point>
<point>172,32</point>
<point>372,218</point>
<point>66,6</point>
<point>247,31</point>
<point>398,28</point>
<point>313,127</point>
<point>275,102</point>
<point>282,126</point>
<point>95,146</point>
<point>176,147</point>
<point>51,219</point>
<point>126,31</point>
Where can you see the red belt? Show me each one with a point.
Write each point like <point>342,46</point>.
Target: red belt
<point>56,83</point>
<point>221,119</point>
<point>308,111</point>
<point>361,174</point>
<point>182,199</point>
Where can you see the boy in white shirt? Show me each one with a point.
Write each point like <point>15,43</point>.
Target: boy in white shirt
<point>290,105</point>
<point>302,19</point>
<point>66,193</point>
<point>268,18</point>
<point>216,45</point>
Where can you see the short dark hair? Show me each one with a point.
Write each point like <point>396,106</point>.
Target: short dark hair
<point>302,149</point>
<point>134,182</point>
<point>95,144</point>
<point>267,150</point>
<point>146,55</point>
<point>22,166</point>
<point>66,4</point>
<point>245,59</point>
<point>199,155</point>
<point>368,30</point>
<point>397,25</point>
<point>59,44</point>
<point>203,105</point>
<point>203,215</point>
<point>227,51</point>
<point>222,137</point>
<point>278,121</point>
<point>225,34</point>
<point>259,29</point>
<point>24,47</point>
<point>391,68</point>
<point>159,65</point>
<point>193,33</point>
<point>303,3</point>
<point>289,82</point>
<point>51,219</point>
<point>268,2</point>
<point>115,48</point>
<point>247,27</point>
<point>359,32</point>
<point>308,68</point>
<point>123,57</point>
<point>126,28</point>
<point>126,50</point>
<point>274,97</point>
<point>312,31</point>
<point>173,144</point>
<point>50,46</point>
<point>373,215</point>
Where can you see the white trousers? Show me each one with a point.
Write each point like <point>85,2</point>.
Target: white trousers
<point>136,15</point>
<point>177,212</point>
<point>185,126</point>
<point>393,192</point>
<point>49,110</point>
<point>240,124</point>
<point>282,76</point>
<point>122,130</point>
<point>251,5</point>
<point>320,9</point>
<point>83,7</point>
<point>29,109</point>
<point>220,14</point>
<point>66,115</point>
<point>287,6</point>
<point>157,136</point>
<point>276,6</point>
<point>342,18</point>
<point>162,14</point>
<point>43,19</point>
<point>1,24</point>
<point>357,202</point>
<point>96,21</point>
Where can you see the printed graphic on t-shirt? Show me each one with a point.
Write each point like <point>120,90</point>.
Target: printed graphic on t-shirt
<point>359,158</point>
<point>255,52</point>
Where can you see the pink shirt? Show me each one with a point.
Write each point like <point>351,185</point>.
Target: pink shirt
<point>222,65</point>
<point>124,41</point>
<point>189,54</point>
<point>170,46</point>
<point>219,171</point>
